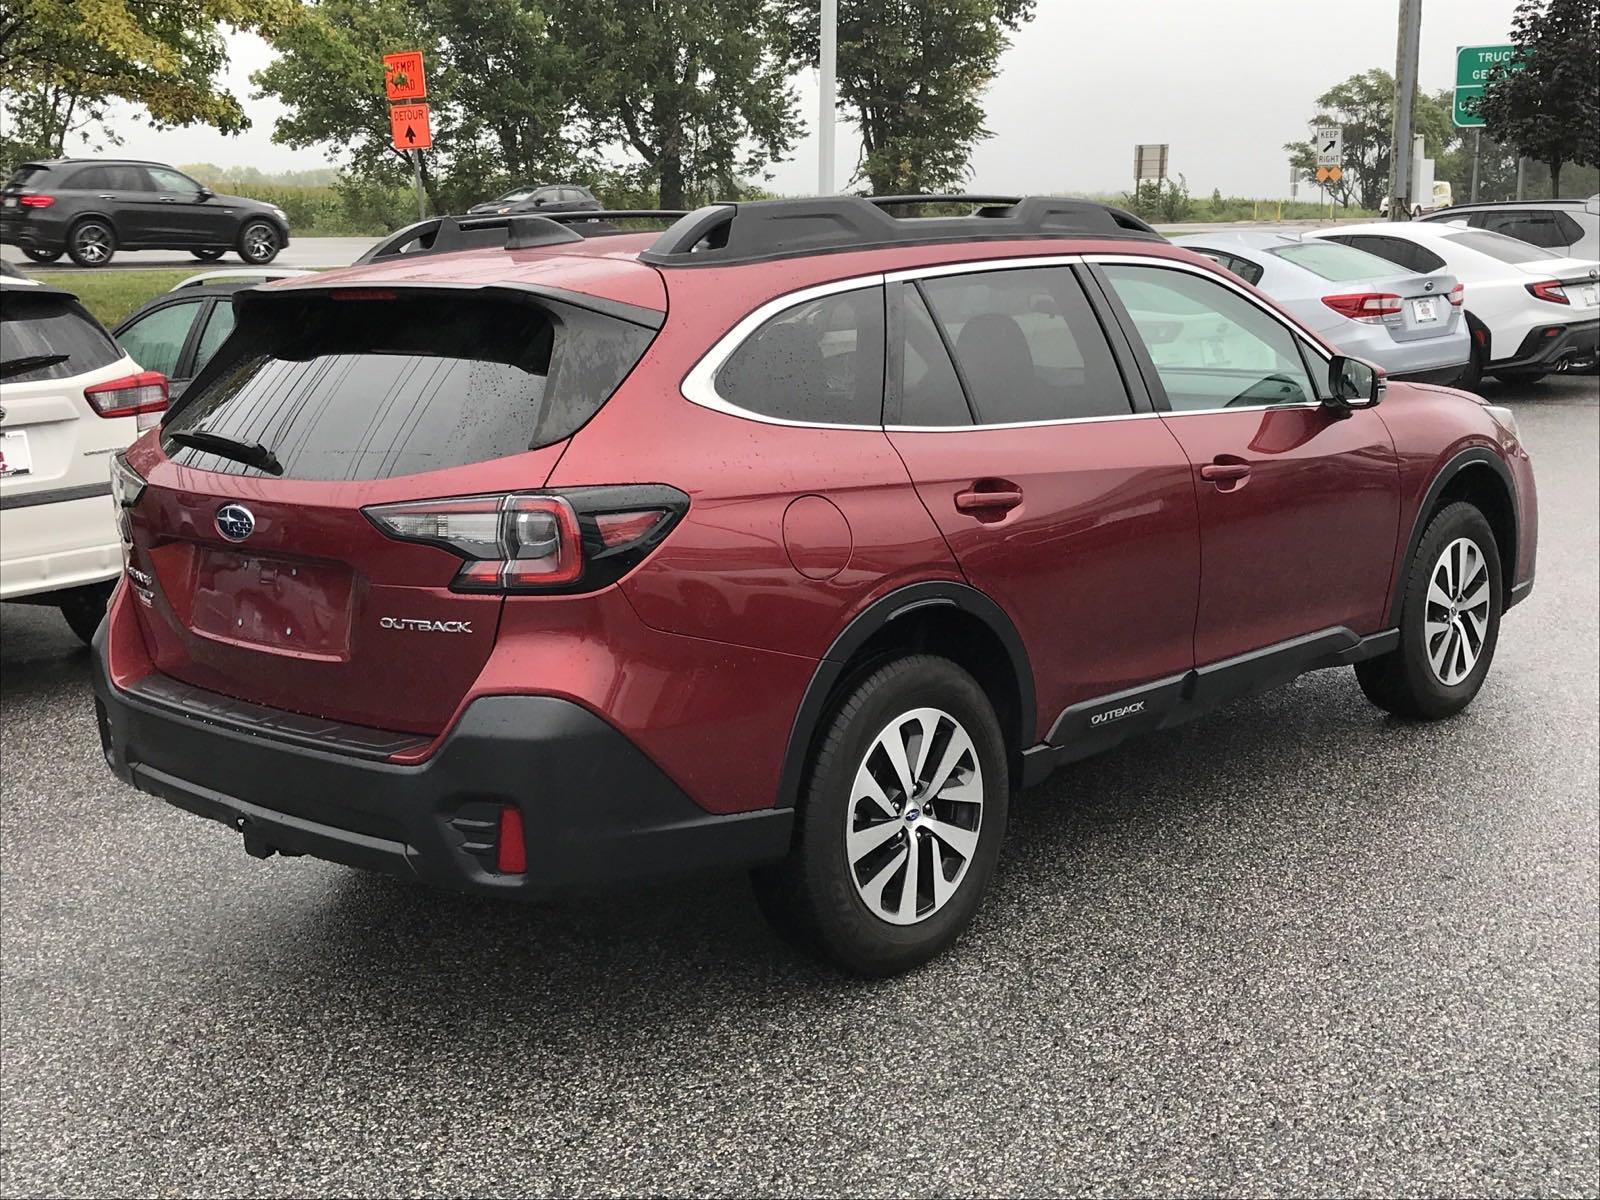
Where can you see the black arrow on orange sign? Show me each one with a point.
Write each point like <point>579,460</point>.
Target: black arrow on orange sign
<point>411,134</point>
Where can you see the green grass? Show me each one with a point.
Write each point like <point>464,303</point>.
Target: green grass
<point>112,295</point>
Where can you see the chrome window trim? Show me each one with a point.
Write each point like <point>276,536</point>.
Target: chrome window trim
<point>699,385</point>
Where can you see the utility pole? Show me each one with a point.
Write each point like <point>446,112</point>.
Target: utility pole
<point>1477,152</point>
<point>827,107</point>
<point>1407,49</point>
<point>422,196</point>
<point>1522,177</point>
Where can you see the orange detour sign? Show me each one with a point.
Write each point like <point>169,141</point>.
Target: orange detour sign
<point>408,127</point>
<point>402,76</point>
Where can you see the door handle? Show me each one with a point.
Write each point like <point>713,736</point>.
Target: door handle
<point>1222,473</point>
<point>168,200</point>
<point>989,496</point>
<point>105,196</point>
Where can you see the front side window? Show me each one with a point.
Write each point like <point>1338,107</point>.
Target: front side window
<point>155,342</point>
<point>1211,347</point>
<point>818,362</point>
<point>171,181</point>
<point>1027,345</point>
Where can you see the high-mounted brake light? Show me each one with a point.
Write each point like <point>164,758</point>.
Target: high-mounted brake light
<point>1370,308</point>
<point>360,294</point>
<point>142,395</point>
<point>575,540</point>
<point>32,201</point>
<point>1549,289</point>
<point>1456,295</point>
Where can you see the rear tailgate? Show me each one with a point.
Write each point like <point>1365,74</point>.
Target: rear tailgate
<point>279,588</point>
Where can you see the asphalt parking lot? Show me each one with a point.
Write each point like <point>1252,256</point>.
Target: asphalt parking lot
<point>1298,948</point>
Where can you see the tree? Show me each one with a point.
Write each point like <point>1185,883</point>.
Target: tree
<point>698,89</point>
<point>62,61</point>
<point>911,74</point>
<point>1363,106</point>
<point>1543,102</point>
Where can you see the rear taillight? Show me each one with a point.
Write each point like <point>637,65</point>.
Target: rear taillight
<point>141,395</point>
<point>1551,290</point>
<point>32,201</point>
<point>575,540</point>
<point>127,485</point>
<point>1457,295</point>
<point>1371,308</point>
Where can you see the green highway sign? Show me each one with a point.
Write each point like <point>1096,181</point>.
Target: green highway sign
<point>1473,64</point>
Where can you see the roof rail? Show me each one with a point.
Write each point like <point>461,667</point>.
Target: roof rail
<point>765,229</point>
<point>517,231</point>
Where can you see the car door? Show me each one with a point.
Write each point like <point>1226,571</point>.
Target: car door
<point>1062,495</point>
<point>125,194</point>
<point>159,339</point>
<point>1299,501</point>
<point>186,218</point>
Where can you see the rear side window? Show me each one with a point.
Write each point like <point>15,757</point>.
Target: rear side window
<point>1331,261</point>
<point>1409,255</point>
<point>370,389</point>
<point>1552,230</point>
<point>28,171</point>
<point>155,341</point>
<point>49,337</point>
<point>820,362</point>
<point>1027,345</point>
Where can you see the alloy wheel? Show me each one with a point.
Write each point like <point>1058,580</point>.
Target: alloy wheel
<point>1457,618</point>
<point>914,818</point>
<point>93,244</point>
<point>259,242</point>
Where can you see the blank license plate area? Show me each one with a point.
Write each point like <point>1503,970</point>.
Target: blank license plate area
<point>292,607</point>
<point>1424,311</point>
<point>15,458</point>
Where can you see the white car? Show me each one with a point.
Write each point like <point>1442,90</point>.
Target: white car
<point>69,399</point>
<point>1530,311</point>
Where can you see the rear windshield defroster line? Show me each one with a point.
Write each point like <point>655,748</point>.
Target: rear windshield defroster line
<point>354,388</point>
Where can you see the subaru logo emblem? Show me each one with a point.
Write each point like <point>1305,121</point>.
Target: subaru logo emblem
<point>913,813</point>
<point>235,522</point>
<point>1428,287</point>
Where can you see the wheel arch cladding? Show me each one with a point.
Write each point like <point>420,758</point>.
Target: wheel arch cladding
<point>952,620</point>
<point>1479,477</point>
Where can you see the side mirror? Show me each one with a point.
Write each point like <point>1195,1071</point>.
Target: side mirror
<point>1353,383</point>
<point>204,193</point>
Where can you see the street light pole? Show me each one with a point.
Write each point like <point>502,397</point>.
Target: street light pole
<point>826,103</point>
<point>1407,48</point>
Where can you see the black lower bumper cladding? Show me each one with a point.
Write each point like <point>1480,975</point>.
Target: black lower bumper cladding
<point>595,810</point>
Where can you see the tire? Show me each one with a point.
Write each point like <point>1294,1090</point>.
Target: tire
<point>1509,377</point>
<point>92,243</point>
<point>1410,681</point>
<point>210,254</point>
<point>84,608</point>
<point>856,913</point>
<point>258,242</point>
<point>41,256</point>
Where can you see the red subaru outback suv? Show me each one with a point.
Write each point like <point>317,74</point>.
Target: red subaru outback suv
<point>797,537</point>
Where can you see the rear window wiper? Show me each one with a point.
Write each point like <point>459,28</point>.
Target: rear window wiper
<point>30,362</point>
<point>251,454</point>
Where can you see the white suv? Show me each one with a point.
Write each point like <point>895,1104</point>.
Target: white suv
<point>69,399</point>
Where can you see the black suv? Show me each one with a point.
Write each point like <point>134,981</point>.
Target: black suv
<point>553,198</point>
<point>91,208</point>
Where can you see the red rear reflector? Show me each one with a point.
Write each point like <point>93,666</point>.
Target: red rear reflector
<point>510,854</point>
<point>1457,294</point>
<point>1369,307</point>
<point>618,529</point>
<point>361,294</point>
<point>129,396</point>
<point>36,201</point>
<point>1551,290</point>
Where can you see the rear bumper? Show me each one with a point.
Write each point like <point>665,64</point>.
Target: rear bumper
<point>1443,376</point>
<point>1573,347</point>
<point>596,812</point>
<point>52,544</point>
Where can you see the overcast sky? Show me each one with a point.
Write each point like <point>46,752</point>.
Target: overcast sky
<point>1225,82</point>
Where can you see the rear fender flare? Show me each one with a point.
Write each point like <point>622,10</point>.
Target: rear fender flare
<point>874,618</point>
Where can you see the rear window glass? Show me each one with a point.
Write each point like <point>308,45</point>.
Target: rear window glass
<point>22,174</point>
<point>37,331</point>
<point>368,389</point>
<point>1497,245</point>
<point>1333,261</point>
